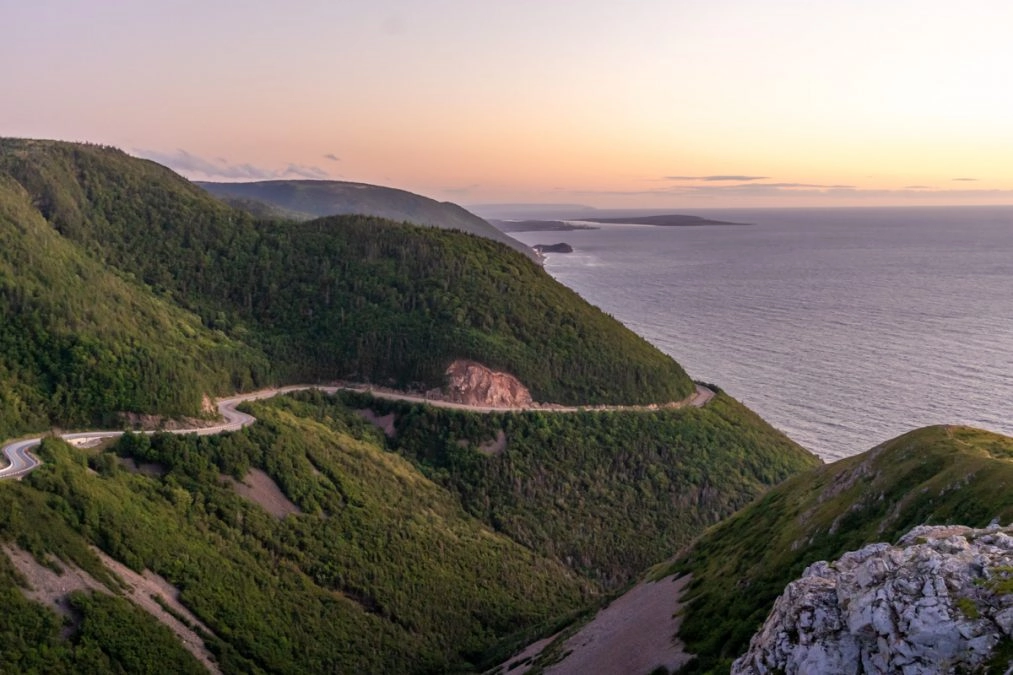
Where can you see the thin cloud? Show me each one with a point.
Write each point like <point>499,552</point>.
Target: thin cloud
<point>331,156</point>
<point>304,171</point>
<point>717,179</point>
<point>769,190</point>
<point>793,186</point>
<point>967,180</point>
<point>195,166</point>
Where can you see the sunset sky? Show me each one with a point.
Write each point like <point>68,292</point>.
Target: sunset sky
<point>649,103</point>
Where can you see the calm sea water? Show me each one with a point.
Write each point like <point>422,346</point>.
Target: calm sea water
<point>841,327</point>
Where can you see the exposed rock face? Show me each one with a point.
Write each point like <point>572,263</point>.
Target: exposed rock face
<point>473,384</point>
<point>938,602</point>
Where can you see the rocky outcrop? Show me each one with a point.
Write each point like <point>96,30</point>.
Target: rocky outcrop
<point>939,601</point>
<point>561,247</point>
<point>473,384</point>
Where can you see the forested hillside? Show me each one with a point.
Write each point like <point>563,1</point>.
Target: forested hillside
<point>607,493</point>
<point>124,287</point>
<point>378,570</point>
<point>308,199</point>
<point>79,342</point>
<point>936,475</point>
<point>113,266</point>
<point>440,556</point>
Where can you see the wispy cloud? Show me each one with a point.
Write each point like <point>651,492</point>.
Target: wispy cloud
<point>195,166</point>
<point>968,180</point>
<point>716,179</point>
<point>791,186</point>
<point>331,156</point>
<point>917,187</point>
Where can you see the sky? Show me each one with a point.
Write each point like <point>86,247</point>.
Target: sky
<point>646,103</point>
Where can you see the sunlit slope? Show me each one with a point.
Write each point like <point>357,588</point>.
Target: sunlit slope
<point>935,475</point>
<point>348,297</point>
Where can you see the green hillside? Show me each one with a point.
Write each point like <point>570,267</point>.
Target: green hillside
<point>607,493</point>
<point>219,300</point>
<point>74,336</point>
<point>380,571</point>
<point>437,557</point>
<point>124,287</point>
<point>936,475</point>
<point>308,199</point>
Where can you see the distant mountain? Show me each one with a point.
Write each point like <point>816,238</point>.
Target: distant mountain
<point>308,199</point>
<point>539,225</point>
<point>663,220</point>
<point>531,211</point>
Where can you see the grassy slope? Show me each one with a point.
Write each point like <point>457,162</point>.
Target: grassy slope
<point>345,297</point>
<point>952,475</point>
<point>382,572</point>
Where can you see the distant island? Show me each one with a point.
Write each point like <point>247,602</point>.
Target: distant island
<point>670,220</point>
<point>561,247</point>
<point>539,225</point>
<point>581,223</point>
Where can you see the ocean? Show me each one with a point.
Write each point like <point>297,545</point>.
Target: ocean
<point>841,327</point>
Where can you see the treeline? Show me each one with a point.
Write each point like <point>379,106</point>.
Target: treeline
<point>350,297</point>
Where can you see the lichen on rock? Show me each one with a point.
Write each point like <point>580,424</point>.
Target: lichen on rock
<point>937,602</point>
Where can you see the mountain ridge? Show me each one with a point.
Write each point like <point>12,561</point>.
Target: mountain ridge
<point>341,298</point>
<point>308,199</point>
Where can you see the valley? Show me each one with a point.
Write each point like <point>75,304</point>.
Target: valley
<point>510,461</point>
<point>439,538</point>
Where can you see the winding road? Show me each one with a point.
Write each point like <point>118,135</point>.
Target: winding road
<point>22,461</point>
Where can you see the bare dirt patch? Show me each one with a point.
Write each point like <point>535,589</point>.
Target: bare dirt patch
<point>143,591</point>
<point>261,489</point>
<point>385,423</point>
<point>52,589</point>
<point>151,469</point>
<point>634,634</point>
<point>495,446</point>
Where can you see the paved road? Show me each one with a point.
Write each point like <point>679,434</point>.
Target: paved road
<point>23,461</point>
